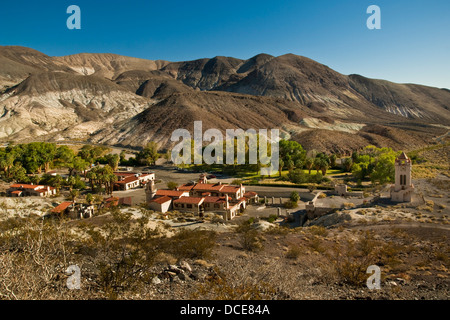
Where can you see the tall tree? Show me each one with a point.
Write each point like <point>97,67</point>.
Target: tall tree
<point>309,163</point>
<point>149,154</point>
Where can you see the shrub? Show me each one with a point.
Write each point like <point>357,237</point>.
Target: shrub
<point>249,238</point>
<point>172,185</point>
<point>290,205</point>
<point>294,252</point>
<point>318,231</point>
<point>192,244</point>
<point>348,205</point>
<point>295,197</point>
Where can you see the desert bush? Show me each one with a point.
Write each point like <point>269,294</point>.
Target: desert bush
<point>125,251</point>
<point>316,244</point>
<point>192,244</point>
<point>271,218</point>
<point>172,185</point>
<point>290,204</point>
<point>249,237</point>
<point>318,231</point>
<point>34,255</point>
<point>278,230</point>
<point>223,286</point>
<point>293,252</point>
<point>348,205</point>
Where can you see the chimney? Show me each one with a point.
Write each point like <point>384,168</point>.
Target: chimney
<point>226,200</point>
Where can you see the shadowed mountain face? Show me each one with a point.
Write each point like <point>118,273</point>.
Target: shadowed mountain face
<point>112,99</point>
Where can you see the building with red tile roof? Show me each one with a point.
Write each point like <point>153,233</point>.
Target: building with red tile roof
<point>160,204</point>
<point>62,208</point>
<point>23,190</point>
<point>175,194</point>
<point>191,204</point>
<point>131,180</point>
<point>203,196</point>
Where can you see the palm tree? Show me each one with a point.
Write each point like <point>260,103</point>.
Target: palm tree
<point>309,162</point>
<point>74,194</point>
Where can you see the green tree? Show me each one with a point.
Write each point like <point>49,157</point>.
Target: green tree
<point>384,170</point>
<point>149,154</point>
<point>89,198</point>
<point>309,163</point>
<point>74,194</point>
<point>295,197</point>
<point>333,159</point>
<point>122,158</point>
<point>113,161</point>
<point>19,174</point>
<point>6,162</point>
<point>297,176</point>
<point>172,185</point>
<point>78,164</point>
<point>347,163</point>
<point>64,156</point>
<point>290,165</point>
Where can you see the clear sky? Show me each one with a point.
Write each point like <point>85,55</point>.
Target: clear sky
<point>413,45</point>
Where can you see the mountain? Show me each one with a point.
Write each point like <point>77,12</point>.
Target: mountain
<point>50,102</point>
<point>107,65</point>
<point>118,100</point>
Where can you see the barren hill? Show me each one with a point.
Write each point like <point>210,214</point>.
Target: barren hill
<point>113,99</point>
<point>107,65</point>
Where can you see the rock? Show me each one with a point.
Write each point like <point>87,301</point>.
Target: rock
<point>171,274</point>
<point>203,263</point>
<point>173,268</point>
<point>156,280</point>
<point>185,266</point>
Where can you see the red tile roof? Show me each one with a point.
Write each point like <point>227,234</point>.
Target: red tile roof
<point>250,194</point>
<point>230,189</point>
<point>214,199</point>
<point>128,180</point>
<point>26,186</point>
<point>170,193</point>
<point>189,200</point>
<point>124,174</point>
<point>63,206</point>
<point>208,187</point>
<point>185,187</point>
<point>162,200</point>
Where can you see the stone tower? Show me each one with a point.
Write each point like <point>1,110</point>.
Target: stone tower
<point>403,188</point>
<point>150,190</point>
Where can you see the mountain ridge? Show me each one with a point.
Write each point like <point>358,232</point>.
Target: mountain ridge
<point>122,100</point>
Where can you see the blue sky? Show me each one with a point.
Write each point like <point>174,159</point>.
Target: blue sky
<point>413,45</point>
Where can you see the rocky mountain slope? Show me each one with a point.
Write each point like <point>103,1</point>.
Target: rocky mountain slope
<point>112,99</point>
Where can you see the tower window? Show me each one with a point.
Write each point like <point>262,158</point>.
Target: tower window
<point>402,180</point>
